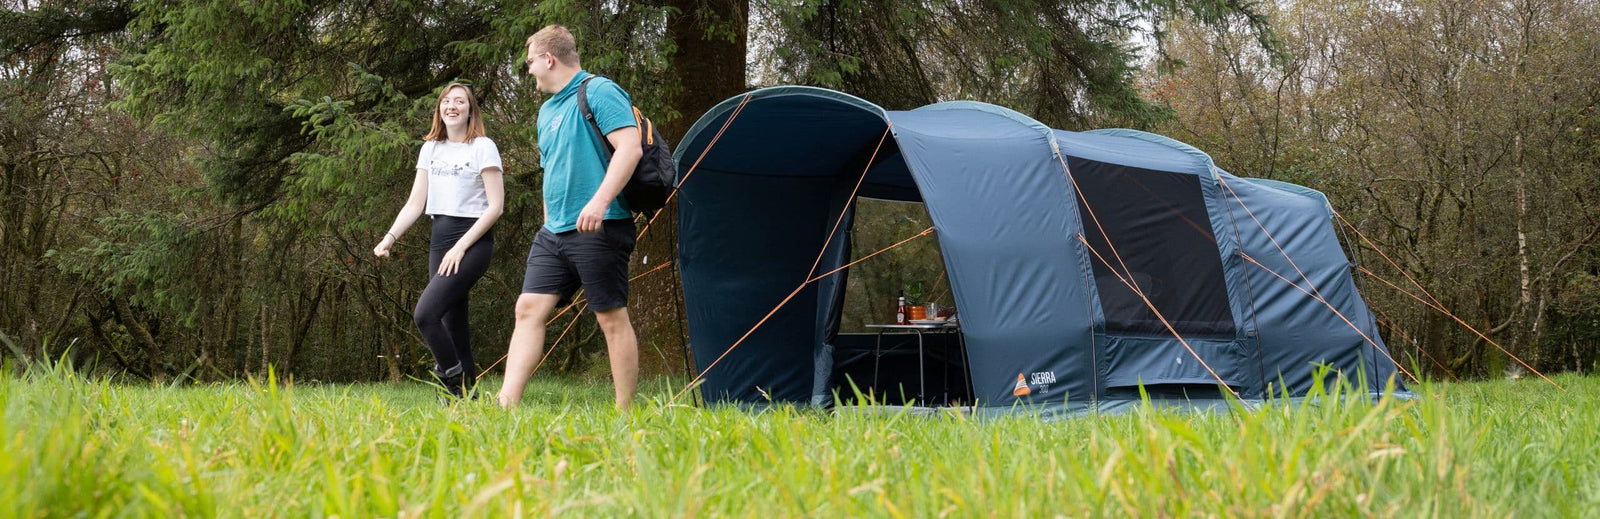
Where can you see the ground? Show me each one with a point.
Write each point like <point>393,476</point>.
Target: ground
<point>268,449</point>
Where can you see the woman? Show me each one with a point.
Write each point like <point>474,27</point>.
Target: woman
<point>459,184</point>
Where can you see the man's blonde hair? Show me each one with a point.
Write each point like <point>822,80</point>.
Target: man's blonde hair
<point>557,41</point>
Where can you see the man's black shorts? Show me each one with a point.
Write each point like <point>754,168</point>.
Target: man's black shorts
<point>597,261</point>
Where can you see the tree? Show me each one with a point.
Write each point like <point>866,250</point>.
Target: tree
<point>1068,64</point>
<point>67,162</point>
<point>1446,132</point>
<point>303,120</point>
<point>286,133</point>
<point>707,39</point>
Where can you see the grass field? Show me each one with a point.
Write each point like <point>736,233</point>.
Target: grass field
<point>73,447</point>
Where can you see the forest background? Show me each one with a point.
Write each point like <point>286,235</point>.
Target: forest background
<point>191,189</point>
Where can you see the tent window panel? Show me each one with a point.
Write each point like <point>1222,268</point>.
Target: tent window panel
<point>1159,228</point>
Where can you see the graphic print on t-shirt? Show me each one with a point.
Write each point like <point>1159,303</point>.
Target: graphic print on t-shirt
<point>455,175</point>
<point>458,169</point>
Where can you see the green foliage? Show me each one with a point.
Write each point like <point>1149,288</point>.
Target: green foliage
<point>148,262</point>
<point>1068,64</point>
<point>294,128</point>
<point>75,446</point>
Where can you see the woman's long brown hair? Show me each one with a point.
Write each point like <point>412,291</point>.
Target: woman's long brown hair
<point>474,117</point>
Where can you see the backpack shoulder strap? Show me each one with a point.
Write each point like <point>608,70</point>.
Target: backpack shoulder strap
<point>588,114</point>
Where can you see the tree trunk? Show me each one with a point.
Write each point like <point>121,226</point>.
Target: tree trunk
<point>710,36</point>
<point>1525,280</point>
<point>97,326</point>
<point>141,335</point>
<point>266,344</point>
<point>297,344</point>
<point>16,351</point>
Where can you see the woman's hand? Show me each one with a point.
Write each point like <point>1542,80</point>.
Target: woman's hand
<point>451,262</point>
<point>382,250</point>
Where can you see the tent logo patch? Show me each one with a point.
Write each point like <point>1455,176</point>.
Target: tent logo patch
<point>1022,387</point>
<point>1042,379</point>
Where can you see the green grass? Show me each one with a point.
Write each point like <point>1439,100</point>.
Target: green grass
<point>74,447</point>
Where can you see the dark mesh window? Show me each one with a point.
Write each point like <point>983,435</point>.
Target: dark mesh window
<point>1158,224</point>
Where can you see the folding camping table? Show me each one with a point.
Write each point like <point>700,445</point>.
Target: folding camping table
<point>922,373</point>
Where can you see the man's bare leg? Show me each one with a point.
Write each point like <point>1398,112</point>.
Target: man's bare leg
<point>527,345</point>
<point>622,346</point>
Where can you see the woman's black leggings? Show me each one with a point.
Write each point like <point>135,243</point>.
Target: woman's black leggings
<point>441,312</point>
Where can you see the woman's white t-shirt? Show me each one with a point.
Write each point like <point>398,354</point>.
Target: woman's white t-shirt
<point>455,175</point>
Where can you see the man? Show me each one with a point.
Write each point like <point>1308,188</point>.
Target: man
<point>588,235</point>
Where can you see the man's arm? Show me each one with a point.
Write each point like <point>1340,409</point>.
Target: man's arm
<point>625,141</point>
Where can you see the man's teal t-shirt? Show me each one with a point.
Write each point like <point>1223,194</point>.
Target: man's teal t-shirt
<point>572,155</point>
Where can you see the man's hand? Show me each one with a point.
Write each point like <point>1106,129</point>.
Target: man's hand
<point>625,141</point>
<point>593,214</point>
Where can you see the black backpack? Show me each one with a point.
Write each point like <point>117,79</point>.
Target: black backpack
<point>651,184</point>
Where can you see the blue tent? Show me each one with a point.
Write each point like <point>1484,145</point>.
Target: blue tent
<point>1044,233</point>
